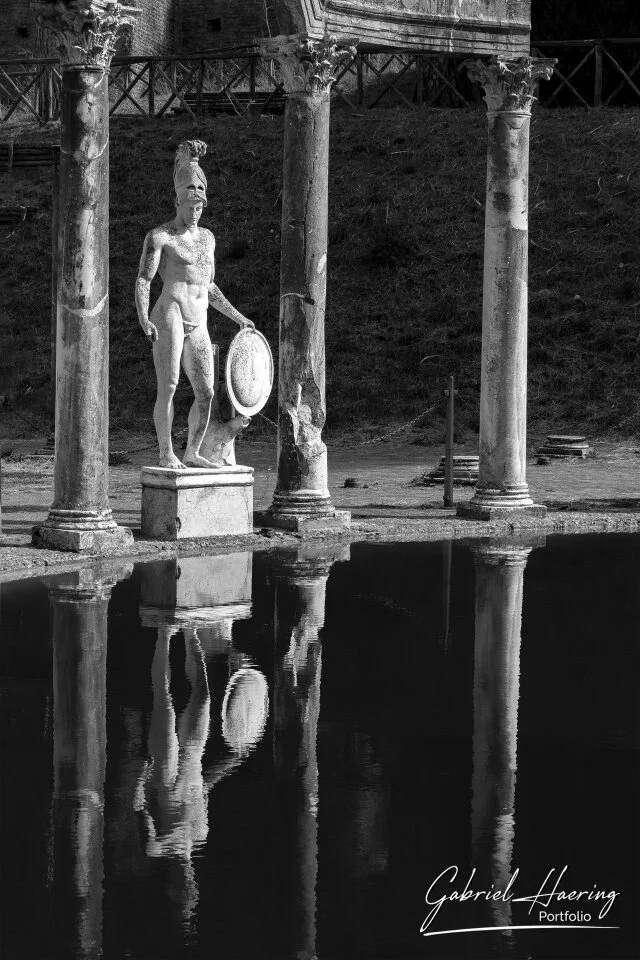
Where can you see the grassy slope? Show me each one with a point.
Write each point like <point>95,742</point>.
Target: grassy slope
<point>405,258</point>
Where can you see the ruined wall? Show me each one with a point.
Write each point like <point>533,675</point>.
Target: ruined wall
<point>158,26</point>
<point>164,26</point>
<point>17,29</point>
<point>207,24</point>
<point>157,29</point>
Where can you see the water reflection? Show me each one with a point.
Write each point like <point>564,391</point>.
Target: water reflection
<point>79,604</point>
<point>300,594</point>
<point>200,597</point>
<point>293,751</point>
<point>499,567</point>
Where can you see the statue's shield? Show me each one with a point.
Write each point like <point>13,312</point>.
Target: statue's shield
<point>249,372</point>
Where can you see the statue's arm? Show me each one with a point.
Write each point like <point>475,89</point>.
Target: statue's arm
<point>219,302</point>
<point>149,263</point>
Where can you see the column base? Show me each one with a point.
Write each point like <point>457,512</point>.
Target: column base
<point>305,512</point>
<point>336,522</point>
<point>102,540</point>
<point>493,506</point>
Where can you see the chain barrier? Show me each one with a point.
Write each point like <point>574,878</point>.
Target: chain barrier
<point>404,426</point>
<point>383,436</point>
<point>153,444</point>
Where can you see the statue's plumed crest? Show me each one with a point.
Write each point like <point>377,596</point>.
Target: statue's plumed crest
<point>188,177</point>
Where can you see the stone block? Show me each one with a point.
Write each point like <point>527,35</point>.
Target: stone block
<point>480,511</point>
<point>339,521</point>
<point>179,504</point>
<point>102,542</point>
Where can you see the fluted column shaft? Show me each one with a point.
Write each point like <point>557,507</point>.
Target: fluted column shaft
<point>509,93</point>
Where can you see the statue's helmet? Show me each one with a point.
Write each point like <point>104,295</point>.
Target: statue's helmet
<point>188,177</point>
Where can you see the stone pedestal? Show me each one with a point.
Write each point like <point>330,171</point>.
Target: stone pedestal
<point>179,504</point>
<point>502,486</point>
<point>80,518</point>
<point>307,69</point>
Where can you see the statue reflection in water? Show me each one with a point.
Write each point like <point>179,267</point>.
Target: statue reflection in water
<point>172,791</point>
<point>500,569</point>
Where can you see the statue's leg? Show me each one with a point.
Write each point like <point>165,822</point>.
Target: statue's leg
<point>163,738</point>
<point>197,360</point>
<point>167,351</point>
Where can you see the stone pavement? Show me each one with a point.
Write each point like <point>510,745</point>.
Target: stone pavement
<point>600,493</point>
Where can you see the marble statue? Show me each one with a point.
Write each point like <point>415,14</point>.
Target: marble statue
<point>183,254</point>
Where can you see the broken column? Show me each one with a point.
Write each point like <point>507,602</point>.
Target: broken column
<point>80,518</point>
<point>301,499</point>
<point>502,486</point>
<point>301,582</point>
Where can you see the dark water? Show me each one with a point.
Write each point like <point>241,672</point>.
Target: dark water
<point>279,755</point>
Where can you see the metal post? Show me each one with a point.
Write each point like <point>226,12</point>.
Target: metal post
<point>419,80</point>
<point>448,450</point>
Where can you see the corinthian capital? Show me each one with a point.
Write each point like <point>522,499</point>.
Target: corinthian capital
<point>308,66</point>
<point>86,31</point>
<point>510,85</point>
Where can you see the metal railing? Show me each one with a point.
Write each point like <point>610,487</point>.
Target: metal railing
<point>592,73</point>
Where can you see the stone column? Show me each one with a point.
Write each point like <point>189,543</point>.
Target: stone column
<point>496,683</point>
<point>79,605</point>
<point>301,582</point>
<point>301,497</point>
<point>80,518</point>
<point>509,92</point>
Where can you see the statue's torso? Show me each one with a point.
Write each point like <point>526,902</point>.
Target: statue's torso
<point>186,268</point>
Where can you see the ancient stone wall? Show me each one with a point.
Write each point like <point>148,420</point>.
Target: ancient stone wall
<point>165,26</point>
<point>207,24</point>
<point>158,27</point>
<point>17,36</point>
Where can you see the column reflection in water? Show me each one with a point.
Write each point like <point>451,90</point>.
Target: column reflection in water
<point>300,582</point>
<point>500,568</point>
<point>79,603</point>
<point>200,597</point>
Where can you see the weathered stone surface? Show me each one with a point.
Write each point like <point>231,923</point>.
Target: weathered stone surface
<point>178,504</point>
<point>80,517</point>
<point>249,372</point>
<point>476,510</point>
<point>338,521</point>
<point>308,71</point>
<point>446,26</point>
<point>114,540</point>
<point>562,447</point>
<point>510,90</point>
